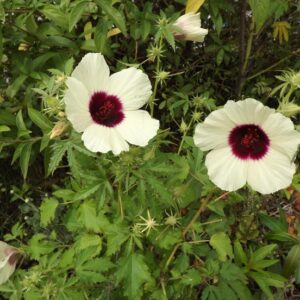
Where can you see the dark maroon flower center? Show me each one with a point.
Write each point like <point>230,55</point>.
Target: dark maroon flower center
<point>248,141</point>
<point>106,109</point>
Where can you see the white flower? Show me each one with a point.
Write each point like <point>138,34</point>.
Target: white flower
<point>188,28</point>
<point>106,107</point>
<point>8,260</point>
<point>250,143</point>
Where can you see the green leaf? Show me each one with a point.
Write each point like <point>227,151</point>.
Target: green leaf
<point>87,192</point>
<point>239,253</point>
<point>114,14</point>
<point>40,120</point>
<point>25,158</point>
<point>38,246</point>
<point>221,243</point>
<point>48,208</point>
<point>4,128</point>
<point>262,252</point>
<point>53,13</point>
<point>101,37</point>
<point>133,272</point>
<point>261,12</point>
<point>220,56</point>
<point>76,13</point>
<point>2,17</point>
<point>88,217</point>
<point>16,85</point>
<point>292,261</point>
<point>275,224</point>
<point>88,240</point>
<point>240,289</point>
<point>58,151</point>
<point>22,130</point>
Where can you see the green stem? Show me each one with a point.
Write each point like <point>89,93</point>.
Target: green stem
<point>183,136</point>
<point>120,201</point>
<point>274,65</point>
<point>247,57</point>
<point>157,69</point>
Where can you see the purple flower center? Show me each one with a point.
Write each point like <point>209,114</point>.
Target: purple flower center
<point>106,109</point>
<point>248,141</point>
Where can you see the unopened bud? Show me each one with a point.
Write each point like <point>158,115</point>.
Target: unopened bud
<point>183,126</point>
<point>196,116</point>
<point>58,129</point>
<point>23,47</point>
<point>289,109</point>
<point>61,114</point>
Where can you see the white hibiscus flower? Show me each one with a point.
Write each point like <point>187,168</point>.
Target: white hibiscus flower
<point>106,107</point>
<point>8,260</point>
<point>250,143</point>
<point>188,28</point>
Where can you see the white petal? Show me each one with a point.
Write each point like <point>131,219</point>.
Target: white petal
<point>283,137</point>
<point>188,20</point>
<point>248,111</point>
<point>225,170</point>
<point>138,127</point>
<point>6,272</point>
<point>196,34</point>
<point>131,86</point>
<point>102,139</point>
<point>214,131</point>
<point>271,173</point>
<point>6,269</point>
<point>77,105</point>
<point>93,72</point>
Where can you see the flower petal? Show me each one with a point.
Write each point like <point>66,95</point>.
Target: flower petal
<point>214,131</point>
<point>138,127</point>
<point>93,72</point>
<point>271,173</point>
<point>77,105</point>
<point>131,86</point>
<point>102,139</point>
<point>283,137</point>
<point>6,267</point>
<point>248,111</point>
<point>225,170</point>
<point>196,34</point>
<point>6,272</point>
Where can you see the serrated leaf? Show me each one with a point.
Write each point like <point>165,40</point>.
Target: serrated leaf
<point>88,217</point>
<point>114,14</point>
<point>133,272</point>
<point>40,120</point>
<point>88,240</point>
<point>221,243</point>
<point>38,246</point>
<point>87,192</point>
<point>48,209</point>
<point>262,252</point>
<point>58,151</point>
<point>193,5</point>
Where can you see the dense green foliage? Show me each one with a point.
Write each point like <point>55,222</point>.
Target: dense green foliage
<point>79,217</point>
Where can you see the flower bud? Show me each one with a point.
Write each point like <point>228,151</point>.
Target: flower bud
<point>23,47</point>
<point>289,109</point>
<point>188,28</point>
<point>58,129</point>
<point>183,126</point>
